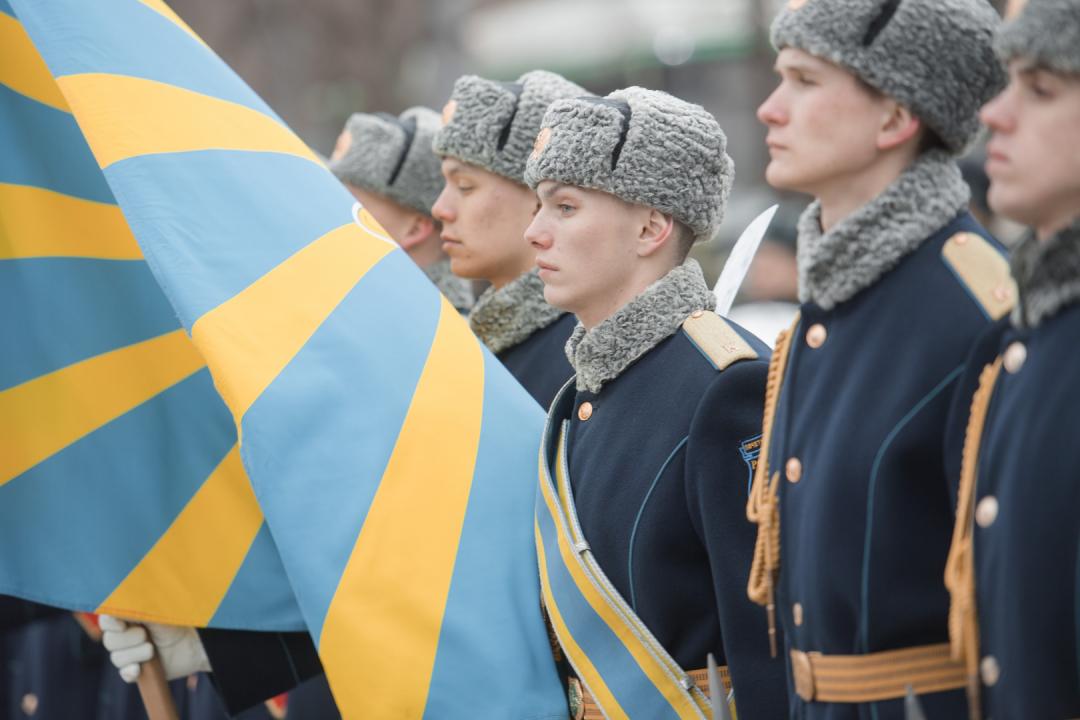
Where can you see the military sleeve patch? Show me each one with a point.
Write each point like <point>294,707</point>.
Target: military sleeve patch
<point>716,340</point>
<point>750,449</point>
<point>983,271</point>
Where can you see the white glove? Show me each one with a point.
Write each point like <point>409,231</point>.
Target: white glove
<point>181,651</point>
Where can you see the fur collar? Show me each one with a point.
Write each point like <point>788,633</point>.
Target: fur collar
<point>603,353</point>
<point>508,316</point>
<point>858,250</point>
<point>1047,274</point>
<point>456,289</point>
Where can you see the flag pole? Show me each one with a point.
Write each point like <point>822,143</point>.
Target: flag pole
<point>154,689</point>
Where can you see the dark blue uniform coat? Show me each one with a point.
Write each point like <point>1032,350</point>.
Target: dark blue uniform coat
<point>660,473</point>
<point>539,362</point>
<point>866,515</point>
<point>1027,529</point>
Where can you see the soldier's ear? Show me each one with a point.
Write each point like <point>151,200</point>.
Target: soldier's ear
<point>418,228</point>
<point>898,126</point>
<point>657,232</point>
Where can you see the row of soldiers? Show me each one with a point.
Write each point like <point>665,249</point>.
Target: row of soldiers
<point>912,532</point>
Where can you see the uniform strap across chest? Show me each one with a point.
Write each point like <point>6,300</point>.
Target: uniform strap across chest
<point>623,667</point>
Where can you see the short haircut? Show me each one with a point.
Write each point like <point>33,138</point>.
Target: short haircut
<point>684,239</point>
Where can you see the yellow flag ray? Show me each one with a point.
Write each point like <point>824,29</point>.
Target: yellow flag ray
<point>40,417</point>
<point>217,526</point>
<point>263,327</point>
<point>21,67</point>
<point>125,117</point>
<point>35,222</point>
<point>417,513</point>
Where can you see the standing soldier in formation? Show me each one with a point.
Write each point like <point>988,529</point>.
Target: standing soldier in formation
<point>876,99</point>
<point>645,468</point>
<point>387,164</point>
<point>1014,569</point>
<point>485,207</point>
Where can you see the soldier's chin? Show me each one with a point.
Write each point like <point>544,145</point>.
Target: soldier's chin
<point>1007,200</point>
<point>558,297</point>
<point>462,268</point>
<point>781,176</point>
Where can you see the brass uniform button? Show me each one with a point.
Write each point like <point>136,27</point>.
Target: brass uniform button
<point>697,313</point>
<point>960,239</point>
<point>584,412</point>
<point>1002,293</point>
<point>29,704</point>
<point>989,670</point>
<point>1015,356</point>
<point>986,511</point>
<point>797,614</point>
<point>815,336</point>
<point>793,470</point>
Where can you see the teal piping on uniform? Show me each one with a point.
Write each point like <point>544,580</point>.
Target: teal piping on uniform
<point>864,622</point>
<point>640,512</point>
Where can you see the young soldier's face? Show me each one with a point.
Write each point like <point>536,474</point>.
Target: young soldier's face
<point>484,217</point>
<point>1033,159</point>
<point>585,248</point>
<point>823,124</point>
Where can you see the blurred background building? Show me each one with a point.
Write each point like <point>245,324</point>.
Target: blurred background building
<point>317,61</point>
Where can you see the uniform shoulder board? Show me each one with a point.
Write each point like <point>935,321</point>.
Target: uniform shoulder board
<point>983,271</point>
<point>716,339</point>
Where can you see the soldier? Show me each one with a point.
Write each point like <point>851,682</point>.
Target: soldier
<point>485,207</point>
<point>896,280</point>
<point>647,454</point>
<point>1014,567</point>
<point>387,164</point>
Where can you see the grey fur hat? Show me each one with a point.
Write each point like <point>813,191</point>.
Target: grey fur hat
<point>643,146</point>
<point>493,124</point>
<point>936,57</point>
<point>392,156</point>
<point>1048,32</point>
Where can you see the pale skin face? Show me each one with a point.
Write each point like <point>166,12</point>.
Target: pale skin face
<point>1033,159</point>
<point>415,232</point>
<point>832,137</point>
<point>597,252</point>
<point>484,217</point>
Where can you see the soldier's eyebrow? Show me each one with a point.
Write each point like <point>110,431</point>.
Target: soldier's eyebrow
<point>452,167</point>
<point>548,193</point>
<point>795,66</point>
<point>1027,66</point>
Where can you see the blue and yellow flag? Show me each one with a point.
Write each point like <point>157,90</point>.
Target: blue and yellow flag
<point>105,404</point>
<point>393,457</point>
